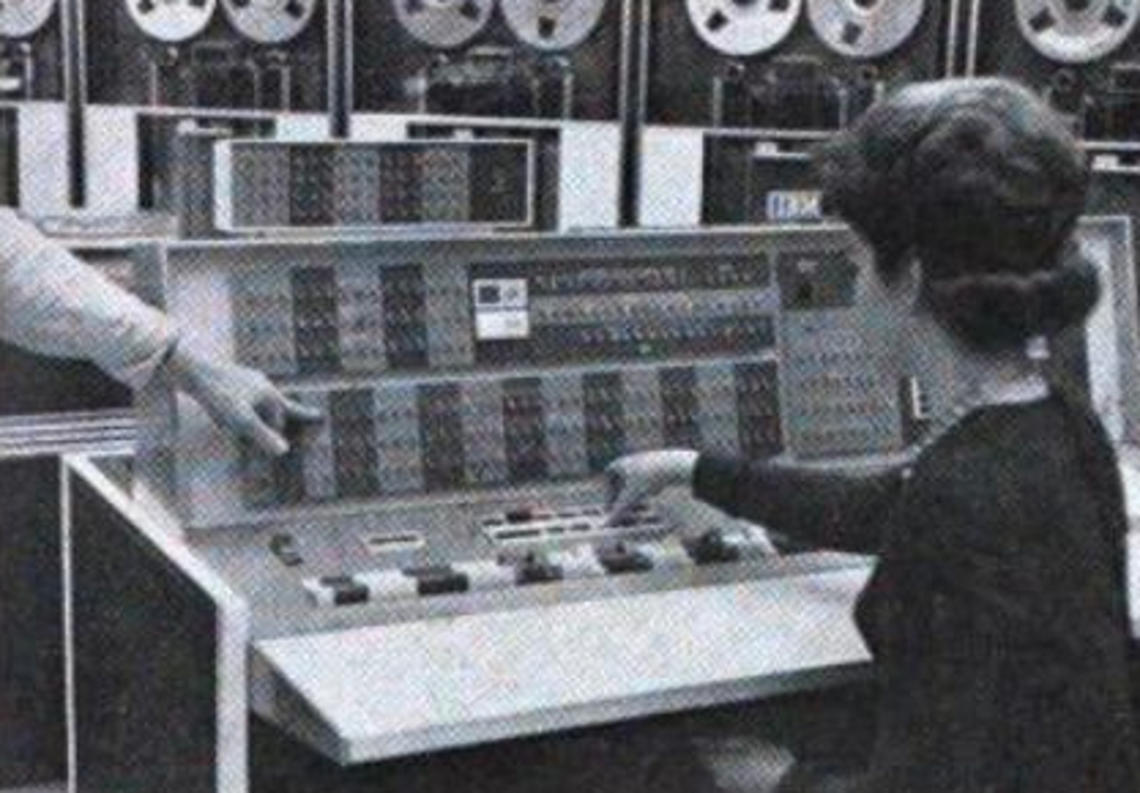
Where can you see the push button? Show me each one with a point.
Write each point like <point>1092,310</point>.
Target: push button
<point>712,548</point>
<point>346,591</point>
<point>486,574</point>
<point>620,559</point>
<point>535,569</point>
<point>440,580</point>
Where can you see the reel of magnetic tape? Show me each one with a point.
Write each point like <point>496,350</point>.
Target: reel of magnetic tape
<point>443,24</point>
<point>171,21</point>
<point>22,18</point>
<point>553,24</point>
<point>269,21</point>
<point>742,27</point>
<point>1072,32</point>
<point>861,29</point>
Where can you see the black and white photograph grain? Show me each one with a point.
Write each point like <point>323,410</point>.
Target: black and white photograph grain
<point>569,396</point>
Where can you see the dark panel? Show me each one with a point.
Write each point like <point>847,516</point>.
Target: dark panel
<point>354,443</point>
<point>145,648</point>
<point>315,333</point>
<point>311,184</point>
<point>32,728</point>
<point>441,436</point>
<point>405,328</point>
<point>734,748</point>
<point>9,158</point>
<point>501,173</point>
<point>34,384</point>
<point>680,407</point>
<point>604,397</point>
<point>524,429</point>
<point>758,406</point>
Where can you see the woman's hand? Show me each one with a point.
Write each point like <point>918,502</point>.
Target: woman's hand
<point>239,399</point>
<point>637,477</point>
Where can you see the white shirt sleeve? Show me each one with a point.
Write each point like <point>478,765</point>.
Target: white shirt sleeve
<point>51,303</point>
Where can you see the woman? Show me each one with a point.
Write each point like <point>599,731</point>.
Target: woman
<point>53,304</point>
<point>996,613</point>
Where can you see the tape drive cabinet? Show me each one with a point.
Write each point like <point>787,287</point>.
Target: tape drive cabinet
<point>735,93</point>
<point>1083,56</point>
<point>553,73</point>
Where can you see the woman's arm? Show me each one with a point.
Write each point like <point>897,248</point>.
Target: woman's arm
<point>828,509</point>
<point>53,304</point>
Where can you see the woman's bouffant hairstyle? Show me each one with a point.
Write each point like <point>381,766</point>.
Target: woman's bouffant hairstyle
<point>984,184</point>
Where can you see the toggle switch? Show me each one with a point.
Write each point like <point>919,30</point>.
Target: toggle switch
<point>284,547</point>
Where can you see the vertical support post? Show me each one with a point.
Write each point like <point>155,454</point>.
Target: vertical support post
<point>75,98</point>
<point>632,102</point>
<point>340,67</point>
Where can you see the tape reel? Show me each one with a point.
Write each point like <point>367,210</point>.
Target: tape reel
<point>171,20</point>
<point>443,24</point>
<point>269,21</point>
<point>553,24</point>
<point>743,27</point>
<point>1060,33</point>
<point>860,29</point>
<point>22,18</point>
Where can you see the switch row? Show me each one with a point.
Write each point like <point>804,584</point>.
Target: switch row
<point>570,564</point>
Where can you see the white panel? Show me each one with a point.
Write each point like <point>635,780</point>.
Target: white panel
<point>380,126</point>
<point>112,149</point>
<point>671,176</point>
<point>43,166</point>
<point>302,127</point>
<point>1100,243</point>
<point>398,689</point>
<point>589,176</point>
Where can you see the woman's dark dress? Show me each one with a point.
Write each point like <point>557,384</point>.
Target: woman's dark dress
<point>997,612</point>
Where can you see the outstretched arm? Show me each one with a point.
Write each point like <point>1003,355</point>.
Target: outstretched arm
<point>53,304</point>
<point>837,510</point>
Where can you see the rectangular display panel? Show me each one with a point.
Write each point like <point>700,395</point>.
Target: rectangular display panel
<point>273,185</point>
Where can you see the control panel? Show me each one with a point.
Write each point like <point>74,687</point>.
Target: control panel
<point>447,367</point>
<point>479,432</point>
<point>264,185</point>
<point>474,389</point>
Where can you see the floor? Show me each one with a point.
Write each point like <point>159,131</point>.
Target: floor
<point>60,788</point>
